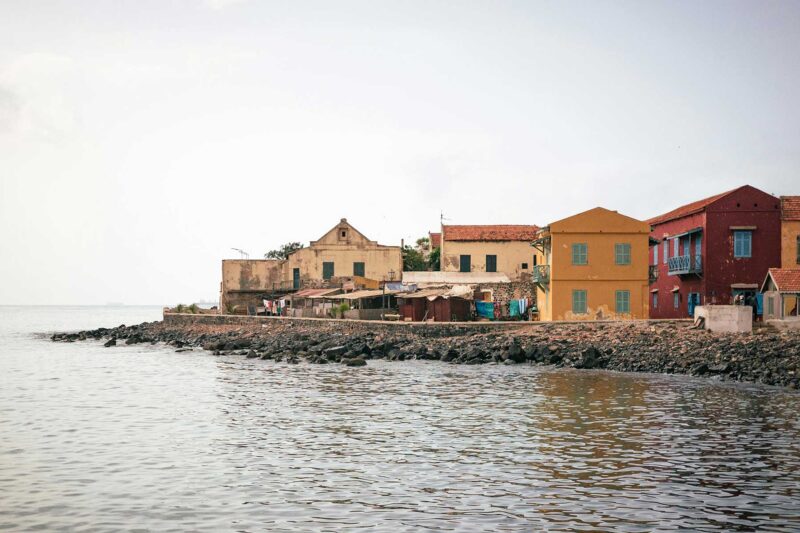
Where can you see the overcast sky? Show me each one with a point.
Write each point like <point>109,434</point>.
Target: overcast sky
<point>140,141</point>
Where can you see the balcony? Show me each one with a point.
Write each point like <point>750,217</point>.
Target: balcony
<point>541,275</point>
<point>685,264</point>
<point>653,271</point>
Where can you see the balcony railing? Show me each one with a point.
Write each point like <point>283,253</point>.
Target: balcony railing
<point>685,264</point>
<point>541,275</point>
<point>653,270</point>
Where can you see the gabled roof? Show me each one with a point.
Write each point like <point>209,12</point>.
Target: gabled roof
<point>790,208</point>
<point>785,279</point>
<point>499,232</point>
<point>689,209</point>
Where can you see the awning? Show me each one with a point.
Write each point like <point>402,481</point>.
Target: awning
<point>675,289</point>
<point>743,228</point>
<point>357,295</point>
<point>654,290</point>
<point>744,285</point>
<point>313,293</point>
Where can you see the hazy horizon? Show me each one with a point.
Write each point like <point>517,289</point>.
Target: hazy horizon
<point>141,142</point>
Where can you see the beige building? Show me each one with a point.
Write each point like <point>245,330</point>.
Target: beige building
<point>341,253</point>
<point>504,249</point>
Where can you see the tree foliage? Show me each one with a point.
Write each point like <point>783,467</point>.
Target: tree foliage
<point>433,259</point>
<point>413,260</point>
<point>284,251</point>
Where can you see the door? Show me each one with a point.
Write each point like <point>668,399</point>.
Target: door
<point>693,301</point>
<point>295,278</point>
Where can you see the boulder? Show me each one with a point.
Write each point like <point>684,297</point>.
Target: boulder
<point>110,342</point>
<point>354,361</point>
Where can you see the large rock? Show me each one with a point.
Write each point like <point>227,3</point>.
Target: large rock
<point>354,361</point>
<point>110,342</point>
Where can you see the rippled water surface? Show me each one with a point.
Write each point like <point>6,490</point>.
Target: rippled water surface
<point>141,437</point>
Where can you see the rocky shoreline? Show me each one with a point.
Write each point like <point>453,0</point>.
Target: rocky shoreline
<point>766,356</point>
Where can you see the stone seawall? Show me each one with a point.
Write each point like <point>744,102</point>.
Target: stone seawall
<point>766,356</point>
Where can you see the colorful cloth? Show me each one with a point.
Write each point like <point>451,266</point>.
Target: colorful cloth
<point>484,309</point>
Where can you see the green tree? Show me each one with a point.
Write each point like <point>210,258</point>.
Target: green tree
<point>433,259</point>
<point>284,251</point>
<point>413,260</point>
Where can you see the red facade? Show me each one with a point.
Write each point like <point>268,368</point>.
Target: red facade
<point>725,246</point>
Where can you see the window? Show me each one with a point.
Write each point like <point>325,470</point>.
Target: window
<point>344,234</point>
<point>655,300</point>
<point>676,300</point>
<point>675,249</point>
<point>622,253</point>
<point>579,302</point>
<point>327,270</point>
<point>655,255</point>
<point>742,243</point>
<point>623,302</point>
<point>798,249</point>
<point>358,269</point>
<point>491,263</point>
<point>580,254</point>
<point>524,266</point>
<point>666,251</point>
<point>465,263</point>
<point>536,259</point>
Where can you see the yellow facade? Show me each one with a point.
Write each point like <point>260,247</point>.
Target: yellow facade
<point>790,244</point>
<point>243,280</point>
<point>514,258</point>
<point>611,290</point>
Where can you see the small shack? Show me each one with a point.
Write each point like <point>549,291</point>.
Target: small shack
<point>781,290</point>
<point>310,303</point>
<point>443,304</point>
<point>366,304</point>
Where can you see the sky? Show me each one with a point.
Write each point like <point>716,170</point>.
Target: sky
<point>140,141</point>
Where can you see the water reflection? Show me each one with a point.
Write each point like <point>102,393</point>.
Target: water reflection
<point>104,439</point>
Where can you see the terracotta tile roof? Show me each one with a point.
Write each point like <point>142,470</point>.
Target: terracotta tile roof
<point>436,240</point>
<point>790,207</point>
<point>490,233</point>
<point>787,279</point>
<point>688,209</point>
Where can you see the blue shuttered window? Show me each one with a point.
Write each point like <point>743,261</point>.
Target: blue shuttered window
<point>742,243</point>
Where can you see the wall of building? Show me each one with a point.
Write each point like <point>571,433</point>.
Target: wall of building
<point>510,256</point>
<point>243,280</point>
<point>790,231</point>
<point>378,262</point>
<point>600,299</point>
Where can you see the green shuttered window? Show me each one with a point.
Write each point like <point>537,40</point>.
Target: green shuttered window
<point>491,263</point>
<point>358,269</point>
<point>623,302</point>
<point>622,253</point>
<point>579,302</point>
<point>465,263</point>
<point>580,253</point>
<point>327,270</point>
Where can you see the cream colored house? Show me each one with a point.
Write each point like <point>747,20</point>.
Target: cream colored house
<point>342,252</point>
<point>504,249</point>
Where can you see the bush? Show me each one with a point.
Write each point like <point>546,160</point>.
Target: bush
<point>193,309</point>
<point>180,308</point>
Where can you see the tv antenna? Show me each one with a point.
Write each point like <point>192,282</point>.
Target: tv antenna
<point>242,253</point>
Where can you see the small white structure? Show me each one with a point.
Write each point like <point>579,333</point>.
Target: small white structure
<point>725,318</point>
<point>781,290</point>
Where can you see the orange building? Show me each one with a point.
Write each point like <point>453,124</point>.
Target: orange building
<point>790,231</point>
<point>595,267</point>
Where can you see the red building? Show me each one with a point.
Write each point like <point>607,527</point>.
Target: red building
<point>712,250</point>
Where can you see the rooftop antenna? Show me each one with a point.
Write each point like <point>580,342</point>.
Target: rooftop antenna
<point>242,253</point>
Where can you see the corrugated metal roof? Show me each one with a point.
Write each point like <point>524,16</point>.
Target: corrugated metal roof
<point>499,232</point>
<point>313,293</point>
<point>454,278</point>
<point>790,208</point>
<point>360,294</point>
